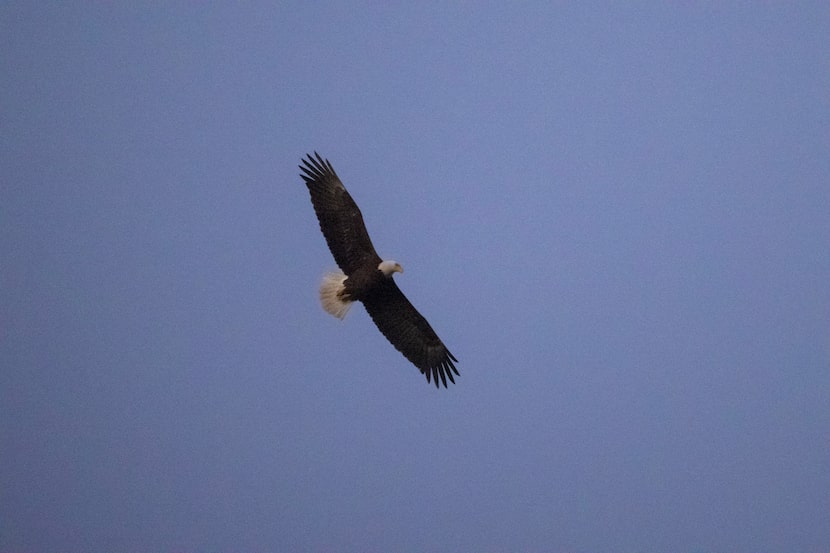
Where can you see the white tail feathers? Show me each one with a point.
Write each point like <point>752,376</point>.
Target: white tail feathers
<point>330,297</point>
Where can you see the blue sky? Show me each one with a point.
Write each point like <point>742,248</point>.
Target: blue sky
<point>615,215</point>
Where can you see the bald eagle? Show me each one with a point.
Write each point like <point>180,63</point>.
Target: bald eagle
<point>367,278</point>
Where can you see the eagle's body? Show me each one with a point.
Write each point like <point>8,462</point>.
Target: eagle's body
<point>367,278</point>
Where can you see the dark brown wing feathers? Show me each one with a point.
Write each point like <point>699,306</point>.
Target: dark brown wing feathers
<point>339,217</point>
<point>409,332</point>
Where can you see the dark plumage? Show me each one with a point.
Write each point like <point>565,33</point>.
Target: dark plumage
<point>367,278</point>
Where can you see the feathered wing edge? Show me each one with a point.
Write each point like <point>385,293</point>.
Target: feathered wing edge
<point>410,333</point>
<point>444,368</point>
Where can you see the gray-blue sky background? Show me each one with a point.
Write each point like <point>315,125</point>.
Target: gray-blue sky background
<point>616,216</point>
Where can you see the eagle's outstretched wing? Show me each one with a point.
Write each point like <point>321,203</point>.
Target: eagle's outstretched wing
<point>339,217</point>
<point>409,332</point>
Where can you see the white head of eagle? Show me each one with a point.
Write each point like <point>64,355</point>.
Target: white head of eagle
<point>387,267</point>
<point>366,278</point>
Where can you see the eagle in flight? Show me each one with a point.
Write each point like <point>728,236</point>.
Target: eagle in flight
<point>367,278</point>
